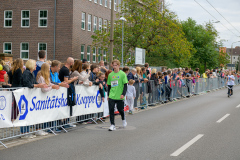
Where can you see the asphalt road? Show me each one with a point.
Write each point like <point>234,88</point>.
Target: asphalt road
<point>204,127</point>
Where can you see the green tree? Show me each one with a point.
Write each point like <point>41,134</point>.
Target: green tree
<point>160,33</point>
<point>203,38</point>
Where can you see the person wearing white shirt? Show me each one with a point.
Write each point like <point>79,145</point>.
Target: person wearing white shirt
<point>230,83</point>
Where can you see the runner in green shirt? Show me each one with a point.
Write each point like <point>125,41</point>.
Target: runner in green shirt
<point>117,88</point>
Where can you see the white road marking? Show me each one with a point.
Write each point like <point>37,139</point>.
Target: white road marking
<point>187,145</point>
<point>238,106</point>
<point>224,117</point>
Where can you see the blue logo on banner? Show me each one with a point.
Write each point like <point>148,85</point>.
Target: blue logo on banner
<point>23,107</point>
<point>2,102</point>
<point>98,100</point>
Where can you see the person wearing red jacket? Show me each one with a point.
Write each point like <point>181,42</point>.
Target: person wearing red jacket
<point>2,73</point>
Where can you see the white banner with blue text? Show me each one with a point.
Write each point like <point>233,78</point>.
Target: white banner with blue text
<point>88,100</point>
<point>5,109</point>
<point>37,107</point>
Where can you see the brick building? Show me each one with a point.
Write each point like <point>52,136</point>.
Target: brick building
<point>28,26</point>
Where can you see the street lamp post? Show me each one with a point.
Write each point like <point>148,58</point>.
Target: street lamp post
<point>122,19</point>
<point>232,52</point>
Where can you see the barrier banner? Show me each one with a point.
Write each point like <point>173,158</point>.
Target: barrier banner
<point>5,109</point>
<point>88,100</point>
<point>36,106</point>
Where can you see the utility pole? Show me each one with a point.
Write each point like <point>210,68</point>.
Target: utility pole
<point>111,35</point>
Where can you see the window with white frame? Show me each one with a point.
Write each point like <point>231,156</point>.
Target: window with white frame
<point>25,19</point>
<point>104,55</point>
<point>94,54</point>
<point>119,5</point>
<point>24,52</point>
<point>100,24</point>
<point>95,1</point>
<point>83,21</point>
<point>94,23</point>
<point>7,47</point>
<point>42,46</point>
<point>110,4</point>
<point>88,53</point>
<point>105,25</point>
<point>82,51</point>
<point>89,22</point>
<point>43,17</point>
<point>100,2</point>
<point>99,54</point>
<point>8,18</point>
<point>115,5</point>
<point>106,1</point>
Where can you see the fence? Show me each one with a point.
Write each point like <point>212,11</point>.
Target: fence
<point>51,126</point>
<point>147,94</point>
<point>176,89</point>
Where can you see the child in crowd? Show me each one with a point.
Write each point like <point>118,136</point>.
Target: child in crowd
<point>95,80</point>
<point>102,81</point>
<point>130,95</point>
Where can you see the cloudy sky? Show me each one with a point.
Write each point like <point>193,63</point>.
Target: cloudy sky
<point>229,9</point>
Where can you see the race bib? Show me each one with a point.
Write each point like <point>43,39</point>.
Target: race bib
<point>114,83</point>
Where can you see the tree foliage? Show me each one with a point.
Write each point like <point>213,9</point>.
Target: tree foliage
<point>160,33</point>
<point>203,38</point>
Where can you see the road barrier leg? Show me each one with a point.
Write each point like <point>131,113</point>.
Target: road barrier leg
<point>3,144</point>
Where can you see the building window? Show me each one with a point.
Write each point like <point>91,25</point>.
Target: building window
<point>104,55</point>
<point>7,47</point>
<point>100,24</point>
<point>115,5</point>
<point>7,18</point>
<point>94,54</point>
<point>105,25</point>
<point>25,19</point>
<point>83,20</point>
<point>110,4</point>
<point>119,5</point>
<point>43,16</point>
<point>100,2</point>
<point>42,46</point>
<point>88,53</point>
<point>95,1</point>
<point>89,22</point>
<point>95,24</point>
<point>99,54</point>
<point>82,51</point>
<point>24,53</point>
<point>106,3</point>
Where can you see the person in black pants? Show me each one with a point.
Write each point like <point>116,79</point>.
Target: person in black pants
<point>117,88</point>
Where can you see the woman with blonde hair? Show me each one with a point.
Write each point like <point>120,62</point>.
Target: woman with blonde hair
<point>28,78</point>
<point>43,76</point>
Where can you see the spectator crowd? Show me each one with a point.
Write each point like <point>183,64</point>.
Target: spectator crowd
<point>49,75</point>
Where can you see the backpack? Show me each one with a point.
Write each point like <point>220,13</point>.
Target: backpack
<point>71,97</point>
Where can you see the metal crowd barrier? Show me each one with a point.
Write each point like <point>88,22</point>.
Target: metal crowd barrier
<point>178,89</point>
<point>51,127</point>
<point>147,94</point>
